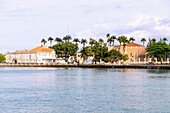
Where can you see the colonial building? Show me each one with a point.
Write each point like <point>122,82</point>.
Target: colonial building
<point>133,51</point>
<point>40,54</point>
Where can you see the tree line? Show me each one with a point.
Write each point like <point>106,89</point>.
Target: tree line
<point>99,49</point>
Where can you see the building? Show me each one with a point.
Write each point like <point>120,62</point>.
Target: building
<point>133,51</point>
<point>40,54</point>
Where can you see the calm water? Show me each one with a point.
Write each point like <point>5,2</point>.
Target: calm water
<point>53,90</point>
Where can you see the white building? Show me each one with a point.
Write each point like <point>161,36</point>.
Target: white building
<point>40,54</point>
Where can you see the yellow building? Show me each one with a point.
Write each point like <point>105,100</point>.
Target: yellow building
<point>133,50</point>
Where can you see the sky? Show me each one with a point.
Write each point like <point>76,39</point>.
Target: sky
<point>23,23</point>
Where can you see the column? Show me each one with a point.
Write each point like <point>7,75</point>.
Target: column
<point>168,60</point>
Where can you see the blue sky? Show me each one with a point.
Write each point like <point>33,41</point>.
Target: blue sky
<point>23,23</point>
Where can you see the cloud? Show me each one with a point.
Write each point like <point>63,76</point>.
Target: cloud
<point>24,23</point>
<point>141,26</point>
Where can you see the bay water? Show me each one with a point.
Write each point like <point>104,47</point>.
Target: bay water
<point>76,90</point>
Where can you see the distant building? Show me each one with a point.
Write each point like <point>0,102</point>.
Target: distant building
<point>133,51</point>
<point>40,54</point>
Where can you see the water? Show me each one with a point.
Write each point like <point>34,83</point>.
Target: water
<point>51,90</point>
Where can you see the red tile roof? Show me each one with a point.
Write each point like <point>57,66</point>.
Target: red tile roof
<point>130,44</point>
<point>37,49</point>
<point>41,49</point>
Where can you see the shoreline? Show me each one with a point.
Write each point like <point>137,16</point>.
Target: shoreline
<point>141,66</point>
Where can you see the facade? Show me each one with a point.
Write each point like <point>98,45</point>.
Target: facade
<point>40,54</point>
<point>133,51</point>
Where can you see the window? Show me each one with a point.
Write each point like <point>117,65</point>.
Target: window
<point>140,53</point>
<point>135,53</point>
<point>130,53</point>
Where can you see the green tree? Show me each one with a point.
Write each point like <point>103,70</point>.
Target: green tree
<point>76,40</point>
<point>143,40</point>
<point>109,40</point>
<point>113,39</point>
<point>84,42</point>
<point>108,35</point>
<point>165,40</point>
<point>120,40</point>
<point>2,58</point>
<point>124,40</point>
<point>158,50</point>
<point>131,39</point>
<point>153,40</point>
<point>58,40</point>
<point>43,41</point>
<point>51,40</point>
<point>65,49</point>
<point>101,41</point>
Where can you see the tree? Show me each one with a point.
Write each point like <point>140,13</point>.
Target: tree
<point>143,40</point>
<point>153,40</point>
<point>68,37</point>
<point>158,50</point>
<point>125,57</point>
<point>58,40</point>
<point>92,42</point>
<point>85,52</point>
<point>43,41</point>
<point>120,40</point>
<point>165,40</point>
<point>2,58</point>
<point>65,49</point>
<point>131,39</point>
<point>83,41</point>
<point>108,35</point>
<point>109,40</point>
<point>113,39</point>
<point>101,41</point>
<point>76,40</point>
<point>124,41</point>
<point>50,39</point>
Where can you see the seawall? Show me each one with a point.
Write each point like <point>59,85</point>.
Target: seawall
<point>91,66</point>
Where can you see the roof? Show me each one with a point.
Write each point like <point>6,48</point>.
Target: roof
<point>41,49</point>
<point>37,49</point>
<point>22,51</point>
<point>130,44</point>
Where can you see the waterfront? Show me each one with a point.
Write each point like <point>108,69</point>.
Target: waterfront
<point>24,89</point>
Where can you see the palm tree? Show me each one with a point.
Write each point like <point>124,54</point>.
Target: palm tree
<point>165,40</point>
<point>124,41</point>
<point>76,40</point>
<point>108,35</point>
<point>120,40</point>
<point>143,40</point>
<point>43,41</point>
<point>131,39</point>
<point>50,39</point>
<point>83,41</point>
<point>113,39</point>
<point>101,41</point>
<point>58,40</point>
<point>153,40</point>
<point>92,42</point>
<point>65,38</point>
<point>68,37</point>
<point>109,40</point>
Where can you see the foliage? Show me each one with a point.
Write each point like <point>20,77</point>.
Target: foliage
<point>43,41</point>
<point>2,58</point>
<point>158,50</point>
<point>65,49</point>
